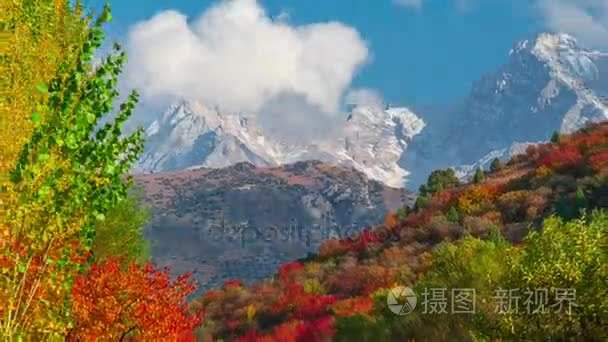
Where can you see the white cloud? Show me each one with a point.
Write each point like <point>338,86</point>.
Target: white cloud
<point>465,5</point>
<point>364,97</point>
<point>291,118</point>
<point>415,4</point>
<point>586,20</point>
<point>235,56</point>
<point>461,5</point>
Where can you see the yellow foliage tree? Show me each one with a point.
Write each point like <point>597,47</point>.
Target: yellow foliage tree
<point>65,171</point>
<point>473,199</point>
<point>38,35</point>
<point>36,38</point>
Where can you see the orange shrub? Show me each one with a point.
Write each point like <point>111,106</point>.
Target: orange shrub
<point>111,303</point>
<point>474,199</point>
<point>353,306</point>
<point>493,216</point>
<point>332,247</point>
<point>390,220</point>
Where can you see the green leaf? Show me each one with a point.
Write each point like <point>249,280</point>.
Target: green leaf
<point>44,190</point>
<point>70,142</point>
<point>110,169</point>
<point>41,87</point>
<point>36,117</point>
<point>90,118</point>
<point>100,217</point>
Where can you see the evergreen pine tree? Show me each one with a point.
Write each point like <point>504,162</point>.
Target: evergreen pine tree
<point>452,215</point>
<point>479,176</point>
<point>496,165</point>
<point>580,201</point>
<point>421,202</point>
<point>403,212</point>
<point>556,137</point>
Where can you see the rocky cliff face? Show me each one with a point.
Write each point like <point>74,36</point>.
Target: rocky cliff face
<point>244,220</point>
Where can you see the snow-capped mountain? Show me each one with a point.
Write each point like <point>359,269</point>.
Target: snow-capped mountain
<point>548,84</point>
<point>190,135</point>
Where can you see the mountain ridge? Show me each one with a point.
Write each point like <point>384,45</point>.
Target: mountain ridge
<point>190,134</point>
<point>548,83</point>
<point>206,217</point>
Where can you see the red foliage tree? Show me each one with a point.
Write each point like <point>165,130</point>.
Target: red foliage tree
<point>353,306</point>
<point>320,330</point>
<point>232,284</point>
<point>420,219</point>
<point>110,303</point>
<point>599,161</point>
<point>312,306</point>
<point>295,331</point>
<point>361,279</point>
<point>287,332</point>
<point>289,270</point>
<point>366,238</point>
<point>332,247</point>
<point>566,157</point>
<point>444,199</point>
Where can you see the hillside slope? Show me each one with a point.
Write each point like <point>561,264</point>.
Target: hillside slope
<point>245,220</point>
<point>452,239</point>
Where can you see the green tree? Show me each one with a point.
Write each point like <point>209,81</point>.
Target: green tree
<point>556,137</point>
<point>403,212</point>
<point>439,180</point>
<point>421,202</point>
<point>479,176</point>
<point>567,258</point>
<point>496,165</point>
<point>469,264</point>
<point>66,178</point>
<point>122,232</point>
<point>361,328</point>
<point>580,200</point>
<point>570,256</point>
<point>453,215</point>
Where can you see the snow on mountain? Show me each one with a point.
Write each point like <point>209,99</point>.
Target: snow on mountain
<point>191,135</point>
<point>465,172</point>
<point>548,84</point>
<point>374,141</point>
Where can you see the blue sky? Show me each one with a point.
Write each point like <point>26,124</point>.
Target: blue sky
<point>420,51</point>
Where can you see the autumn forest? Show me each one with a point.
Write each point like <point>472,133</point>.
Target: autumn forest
<point>75,265</point>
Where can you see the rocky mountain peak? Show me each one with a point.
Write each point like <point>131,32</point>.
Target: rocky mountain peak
<point>191,135</point>
<point>548,83</point>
